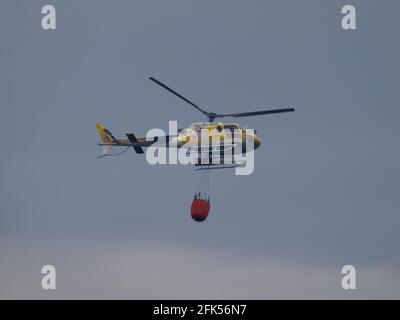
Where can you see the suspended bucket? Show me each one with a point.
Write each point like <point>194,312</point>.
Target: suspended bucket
<point>200,209</point>
<point>201,202</point>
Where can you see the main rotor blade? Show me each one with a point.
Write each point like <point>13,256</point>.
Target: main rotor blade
<point>255,113</point>
<point>178,95</point>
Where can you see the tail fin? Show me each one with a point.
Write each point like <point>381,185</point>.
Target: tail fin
<point>106,138</point>
<point>105,135</point>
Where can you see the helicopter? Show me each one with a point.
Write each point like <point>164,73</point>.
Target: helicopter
<point>209,150</point>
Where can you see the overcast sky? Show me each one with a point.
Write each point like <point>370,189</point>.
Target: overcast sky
<point>325,190</point>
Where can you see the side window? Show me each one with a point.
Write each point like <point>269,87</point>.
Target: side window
<point>228,133</point>
<point>237,134</point>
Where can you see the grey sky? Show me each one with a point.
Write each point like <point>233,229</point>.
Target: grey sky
<point>325,191</point>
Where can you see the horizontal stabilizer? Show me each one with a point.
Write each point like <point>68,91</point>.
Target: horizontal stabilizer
<point>133,139</point>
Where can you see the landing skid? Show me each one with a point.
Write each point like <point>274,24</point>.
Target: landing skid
<point>214,167</point>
